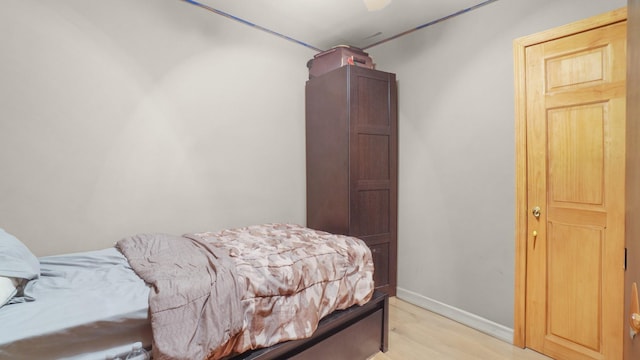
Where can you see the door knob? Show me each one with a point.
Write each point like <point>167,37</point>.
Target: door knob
<point>634,321</point>
<point>536,212</point>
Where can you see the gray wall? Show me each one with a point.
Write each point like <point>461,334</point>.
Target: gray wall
<point>457,151</point>
<point>127,116</point>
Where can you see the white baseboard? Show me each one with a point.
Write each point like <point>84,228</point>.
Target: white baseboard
<point>466,318</point>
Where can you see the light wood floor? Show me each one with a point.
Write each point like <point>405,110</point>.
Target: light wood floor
<point>415,333</point>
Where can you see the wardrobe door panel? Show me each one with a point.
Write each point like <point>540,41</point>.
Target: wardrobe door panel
<point>373,157</point>
<point>372,100</point>
<point>373,212</point>
<point>380,255</point>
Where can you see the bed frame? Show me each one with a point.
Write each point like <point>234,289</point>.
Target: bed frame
<point>358,332</point>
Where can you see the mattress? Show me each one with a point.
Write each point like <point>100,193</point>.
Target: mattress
<point>87,305</point>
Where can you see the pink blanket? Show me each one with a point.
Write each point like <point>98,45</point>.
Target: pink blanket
<point>287,278</point>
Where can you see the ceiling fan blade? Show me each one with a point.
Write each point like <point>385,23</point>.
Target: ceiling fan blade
<point>375,5</point>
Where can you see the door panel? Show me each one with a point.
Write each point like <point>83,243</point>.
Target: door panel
<point>582,68</point>
<point>576,155</point>
<point>575,280</point>
<point>575,109</point>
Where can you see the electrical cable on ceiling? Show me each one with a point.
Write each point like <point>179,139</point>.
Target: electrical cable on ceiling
<point>430,23</point>
<point>227,15</point>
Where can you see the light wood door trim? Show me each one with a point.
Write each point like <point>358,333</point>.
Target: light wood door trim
<point>521,213</point>
<point>632,227</point>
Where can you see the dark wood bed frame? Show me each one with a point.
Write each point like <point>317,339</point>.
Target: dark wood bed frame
<point>358,332</point>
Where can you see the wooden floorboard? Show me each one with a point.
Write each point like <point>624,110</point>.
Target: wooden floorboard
<point>415,333</point>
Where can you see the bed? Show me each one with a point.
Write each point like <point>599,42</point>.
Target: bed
<point>93,304</point>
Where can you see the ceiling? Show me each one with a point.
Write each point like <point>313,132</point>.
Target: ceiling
<point>322,24</point>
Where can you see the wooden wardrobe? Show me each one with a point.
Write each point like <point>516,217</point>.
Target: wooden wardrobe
<point>352,161</point>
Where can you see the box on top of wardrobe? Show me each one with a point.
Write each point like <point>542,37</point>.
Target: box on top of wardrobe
<point>336,57</point>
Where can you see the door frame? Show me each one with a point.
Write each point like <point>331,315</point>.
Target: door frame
<point>521,212</point>
<point>632,227</point>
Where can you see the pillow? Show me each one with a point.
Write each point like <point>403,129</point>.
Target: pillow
<point>15,258</point>
<point>8,289</point>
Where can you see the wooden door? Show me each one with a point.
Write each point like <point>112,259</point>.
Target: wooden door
<point>374,168</point>
<point>632,274</point>
<point>574,202</point>
<point>352,161</point>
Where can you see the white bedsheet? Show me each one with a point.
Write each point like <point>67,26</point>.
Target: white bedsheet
<point>87,305</point>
